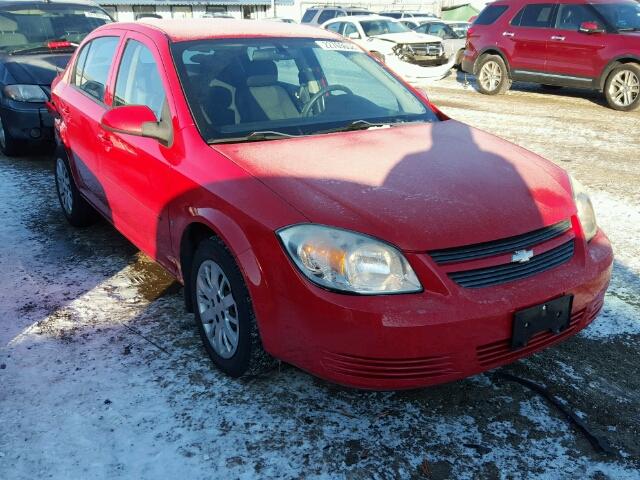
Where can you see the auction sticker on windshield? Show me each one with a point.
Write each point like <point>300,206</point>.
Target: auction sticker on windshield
<point>337,46</point>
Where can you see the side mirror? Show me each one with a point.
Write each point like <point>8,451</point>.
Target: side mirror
<point>354,36</point>
<point>590,27</point>
<point>137,120</point>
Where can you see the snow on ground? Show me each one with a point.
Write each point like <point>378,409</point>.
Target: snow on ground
<point>102,374</point>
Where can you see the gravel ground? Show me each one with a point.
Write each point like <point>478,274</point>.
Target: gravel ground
<point>102,374</point>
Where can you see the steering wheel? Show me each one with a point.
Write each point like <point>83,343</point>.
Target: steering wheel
<point>330,88</point>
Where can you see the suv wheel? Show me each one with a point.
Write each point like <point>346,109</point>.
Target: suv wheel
<point>492,77</point>
<point>224,313</point>
<point>622,88</point>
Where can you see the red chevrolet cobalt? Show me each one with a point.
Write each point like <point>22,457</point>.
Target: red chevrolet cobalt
<point>318,208</point>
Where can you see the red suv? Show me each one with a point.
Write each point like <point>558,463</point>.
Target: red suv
<point>593,44</point>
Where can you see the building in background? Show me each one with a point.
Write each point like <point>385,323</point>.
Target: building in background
<point>126,10</point>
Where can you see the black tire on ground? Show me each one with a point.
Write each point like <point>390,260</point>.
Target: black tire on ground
<point>625,76</point>
<point>550,87</point>
<point>492,75</point>
<point>249,357</point>
<point>10,146</point>
<point>75,208</point>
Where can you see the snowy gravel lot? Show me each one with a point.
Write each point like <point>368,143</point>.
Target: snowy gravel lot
<point>102,374</point>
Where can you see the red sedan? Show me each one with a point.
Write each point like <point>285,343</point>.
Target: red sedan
<point>318,208</point>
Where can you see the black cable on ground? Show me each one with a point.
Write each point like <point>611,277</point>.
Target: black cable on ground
<point>599,444</point>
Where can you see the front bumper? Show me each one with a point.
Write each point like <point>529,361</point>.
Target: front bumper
<point>30,122</point>
<point>414,340</point>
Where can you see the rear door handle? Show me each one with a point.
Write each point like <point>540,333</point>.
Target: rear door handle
<point>558,38</point>
<point>507,34</point>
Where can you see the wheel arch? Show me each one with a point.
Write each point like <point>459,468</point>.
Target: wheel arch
<point>619,60</point>
<point>213,223</point>
<point>492,50</point>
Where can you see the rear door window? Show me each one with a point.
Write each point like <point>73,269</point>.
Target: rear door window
<point>308,15</point>
<point>335,27</point>
<point>326,15</point>
<point>536,15</point>
<point>350,28</point>
<point>92,67</point>
<point>490,14</point>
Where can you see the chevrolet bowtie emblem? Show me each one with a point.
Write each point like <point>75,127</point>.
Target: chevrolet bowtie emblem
<point>522,256</point>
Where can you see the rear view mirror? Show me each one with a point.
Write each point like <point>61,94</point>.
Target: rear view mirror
<point>137,120</point>
<point>590,27</point>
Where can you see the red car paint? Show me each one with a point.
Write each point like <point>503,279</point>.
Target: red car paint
<point>552,55</point>
<point>421,187</point>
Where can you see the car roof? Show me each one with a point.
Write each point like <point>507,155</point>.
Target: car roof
<point>179,30</point>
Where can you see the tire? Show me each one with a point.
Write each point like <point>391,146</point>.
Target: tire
<point>492,75</point>
<point>622,88</point>
<point>215,276</point>
<point>8,144</point>
<point>75,208</point>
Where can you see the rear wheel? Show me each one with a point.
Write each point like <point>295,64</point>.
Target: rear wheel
<point>493,77</point>
<point>622,88</point>
<point>223,311</point>
<point>76,209</point>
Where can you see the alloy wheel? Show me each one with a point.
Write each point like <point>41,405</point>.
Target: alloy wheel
<point>217,308</point>
<point>624,88</point>
<point>63,181</point>
<point>490,76</point>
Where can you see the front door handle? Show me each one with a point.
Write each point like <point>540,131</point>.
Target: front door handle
<point>104,140</point>
<point>507,34</point>
<point>557,38</point>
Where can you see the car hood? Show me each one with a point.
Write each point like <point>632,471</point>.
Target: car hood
<point>408,37</point>
<point>35,69</point>
<point>421,186</point>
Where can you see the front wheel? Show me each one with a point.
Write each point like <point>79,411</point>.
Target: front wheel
<point>8,144</point>
<point>493,77</point>
<point>622,88</point>
<point>75,208</point>
<point>223,311</point>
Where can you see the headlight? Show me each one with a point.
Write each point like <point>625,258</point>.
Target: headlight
<point>348,261</point>
<point>25,93</point>
<point>586,214</point>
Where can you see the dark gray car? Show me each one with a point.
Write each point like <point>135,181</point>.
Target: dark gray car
<point>37,40</point>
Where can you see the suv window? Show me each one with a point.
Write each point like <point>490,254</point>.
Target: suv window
<point>327,15</point>
<point>92,67</point>
<point>308,15</point>
<point>570,16</point>
<point>536,15</point>
<point>490,14</point>
<point>138,81</point>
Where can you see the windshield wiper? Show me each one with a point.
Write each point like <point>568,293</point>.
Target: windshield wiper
<point>253,137</point>
<point>357,125</point>
<point>59,45</point>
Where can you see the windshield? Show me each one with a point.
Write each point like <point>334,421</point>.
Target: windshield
<point>33,25</point>
<point>621,16</point>
<point>373,28</point>
<point>236,88</point>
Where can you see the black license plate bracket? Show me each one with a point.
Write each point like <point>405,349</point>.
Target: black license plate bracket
<point>552,316</point>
